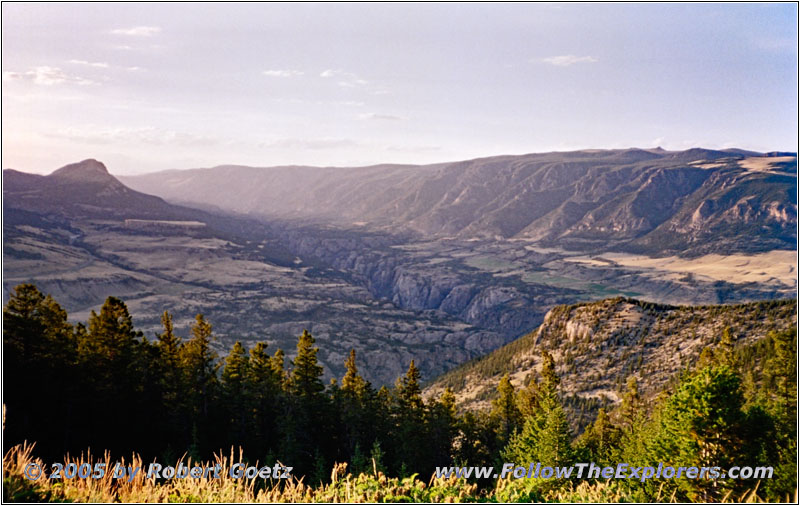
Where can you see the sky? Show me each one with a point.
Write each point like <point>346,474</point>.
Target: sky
<point>151,86</point>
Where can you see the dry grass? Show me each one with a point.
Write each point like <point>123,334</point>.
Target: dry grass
<point>772,267</point>
<point>343,488</point>
<point>764,164</point>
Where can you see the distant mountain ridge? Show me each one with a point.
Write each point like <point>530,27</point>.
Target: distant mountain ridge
<point>84,189</point>
<point>645,201</point>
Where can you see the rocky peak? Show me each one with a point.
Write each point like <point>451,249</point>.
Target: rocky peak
<point>89,171</point>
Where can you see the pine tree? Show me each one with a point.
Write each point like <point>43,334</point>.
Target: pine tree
<point>702,423</point>
<point>408,390</point>
<point>630,405</point>
<point>545,435</point>
<point>39,362</point>
<point>409,431</point>
<point>307,424</point>
<point>781,372</point>
<point>723,354</point>
<point>237,399</point>
<point>169,344</point>
<point>306,372</point>
<point>352,382</point>
<point>173,387</point>
<point>354,404</point>
<point>172,377</point>
<point>112,340</point>
<point>263,375</point>
<point>505,410</point>
<point>601,440</point>
<point>200,365</point>
<point>440,430</point>
<point>265,383</point>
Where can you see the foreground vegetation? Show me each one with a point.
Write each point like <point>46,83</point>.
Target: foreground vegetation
<point>104,385</point>
<point>343,487</point>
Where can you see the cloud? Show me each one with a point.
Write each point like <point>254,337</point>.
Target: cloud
<point>101,65</point>
<point>346,79</point>
<point>46,76</point>
<point>568,59</point>
<point>137,31</point>
<point>308,144</point>
<point>414,149</point>
<point>144,135</point>
<point>382,117</point>
<point>348,103</point>
<point>283,73</point>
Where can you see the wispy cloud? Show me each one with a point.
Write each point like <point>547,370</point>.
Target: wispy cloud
<point>283,73</point>
<point>349,103</point>
<point>568,59</point>
<point>101,65</point>
<point>46,76</point>
<point>380,117</point>
<point>143,135</point>
<point>414,149</point>
<point>345,79</point>
<point>137,31</point>
<point>308,144</point>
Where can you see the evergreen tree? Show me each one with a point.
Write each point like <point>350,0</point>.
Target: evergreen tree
<point>173,388</point>
<point>702,423</point>
<point>235,375</point>
<point>169,344</point>
<point>545,435</point>
<point>630,405</point>
<point>408,390</point>
<point>39,358</point>
<point>600,442</point>
<point>410,423</point>
<point>306,372</point>
<point>781,374</point>
<point>112,342</point>
<point>441,429</point>
<point>505,410</point>
<point>200,366</point>
<point>264,382</point>
<point>357,410</point>
<point>723,354</point>
<point>352,382</point>
<point>307,423</point>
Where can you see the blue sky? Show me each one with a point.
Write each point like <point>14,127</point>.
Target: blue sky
<point>146,87</point>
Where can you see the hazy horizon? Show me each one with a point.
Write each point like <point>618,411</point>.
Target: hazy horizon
<point>150,87</point>
<point>456,160</point>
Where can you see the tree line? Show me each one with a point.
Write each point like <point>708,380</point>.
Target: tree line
<point>105,386</point>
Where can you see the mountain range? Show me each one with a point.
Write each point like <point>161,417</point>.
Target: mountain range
<point>644,201</point>
<point>439,263</point>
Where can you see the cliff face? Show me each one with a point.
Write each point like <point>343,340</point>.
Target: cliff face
<point>597,346</point>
